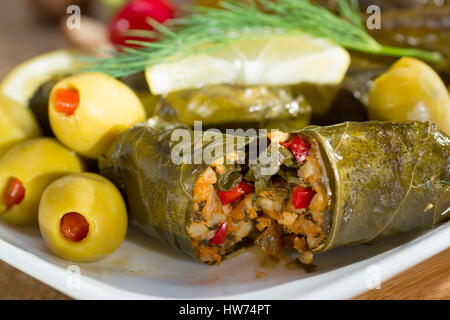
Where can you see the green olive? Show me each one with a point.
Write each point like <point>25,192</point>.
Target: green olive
<point>82,217</point>
<point>26,170</point>
<point>17,123</point>
<point>88,111</point>
<point>410,90</point>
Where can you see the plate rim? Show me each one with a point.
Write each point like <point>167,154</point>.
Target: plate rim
<point>392,261</point>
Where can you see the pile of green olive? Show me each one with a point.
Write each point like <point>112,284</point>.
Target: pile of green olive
<point>43,180</point>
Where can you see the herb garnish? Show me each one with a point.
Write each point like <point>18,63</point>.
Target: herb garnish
<point>208,29</point>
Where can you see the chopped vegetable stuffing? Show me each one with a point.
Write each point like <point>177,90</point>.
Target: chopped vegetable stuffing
<point>238,191</point>
<point>285,212</point>
<point>299,148</point>
<point>220,235</point>
<point>301,197</point>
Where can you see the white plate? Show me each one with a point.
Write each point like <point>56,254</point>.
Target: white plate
<point>143,269</point>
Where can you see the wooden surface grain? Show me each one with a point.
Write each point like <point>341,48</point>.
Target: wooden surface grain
<point>22,38</point>
<point>428,280</point>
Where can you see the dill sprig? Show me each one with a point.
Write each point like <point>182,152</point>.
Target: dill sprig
<point>209,29</point>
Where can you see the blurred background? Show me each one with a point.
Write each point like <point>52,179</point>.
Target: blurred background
<point>32,27</point>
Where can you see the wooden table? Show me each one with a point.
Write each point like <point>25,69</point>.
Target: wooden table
<point>22,39</point>
<point>428,280</point>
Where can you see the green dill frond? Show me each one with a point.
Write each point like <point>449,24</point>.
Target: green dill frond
<point>209,29</point>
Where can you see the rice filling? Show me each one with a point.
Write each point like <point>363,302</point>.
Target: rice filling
<point>289,213</point>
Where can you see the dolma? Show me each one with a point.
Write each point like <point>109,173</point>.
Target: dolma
<point>327,187</point>
<point>224,107</point>
<point>425,28</point>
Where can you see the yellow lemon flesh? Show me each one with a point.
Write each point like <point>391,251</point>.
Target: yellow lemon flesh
<point>23,81</point>
<point>284,60</point>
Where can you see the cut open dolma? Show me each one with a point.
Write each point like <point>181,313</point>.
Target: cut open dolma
<point>326,187</point>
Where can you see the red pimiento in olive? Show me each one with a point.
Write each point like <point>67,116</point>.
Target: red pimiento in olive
<point>133,16</point>
<point>14,194</point>
<point>220,235</point>
<point>74,226</point>
<point>301,197</point>
<point>66,101</point>
<point>238,191</point>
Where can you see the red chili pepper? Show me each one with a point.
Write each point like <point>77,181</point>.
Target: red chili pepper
<point>15,193</point>
<point>134,15</point>
<point>66,101</point>
<point>299,148</point>
<point>220,235</point>
<point>301,197</point>
<point>238,191</point>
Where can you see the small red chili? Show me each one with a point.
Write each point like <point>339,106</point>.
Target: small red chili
<point>299,148</point>
<point>238,191</point>
<point>220,235</point>
<point>301,197</point>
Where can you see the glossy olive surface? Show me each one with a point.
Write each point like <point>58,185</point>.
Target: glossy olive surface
<point>410,90</point>
<point>35,163</point>
<point>106,108</point>
<point>17,124</point>
<point>94,199</point>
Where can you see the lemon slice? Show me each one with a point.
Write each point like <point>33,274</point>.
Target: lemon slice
<point>23,81</point>
<point>283,60</point>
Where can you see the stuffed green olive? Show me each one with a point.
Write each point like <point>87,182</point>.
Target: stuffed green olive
<point>410,90</point>
<point>17,124</point>
<point>329,187</point>
<point>26,170</point>
<point>87,111</point>
<point>82,217</point>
